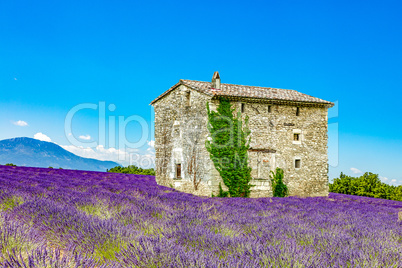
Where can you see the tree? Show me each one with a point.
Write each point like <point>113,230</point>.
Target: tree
<point>131,169</point>
<point>279,189</point>
<point>342,185</point>
<point>228,145</point>
<point>397,193</point>
<point>368,184</point>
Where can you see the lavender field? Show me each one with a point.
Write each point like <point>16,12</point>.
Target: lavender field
<point>65,218</point>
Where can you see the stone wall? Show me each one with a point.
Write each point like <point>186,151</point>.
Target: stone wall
<point>184,111</point>
<point>275,131</point>
<point>181,131</point>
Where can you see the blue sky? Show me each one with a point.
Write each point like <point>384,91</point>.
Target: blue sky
<point>55,55</point>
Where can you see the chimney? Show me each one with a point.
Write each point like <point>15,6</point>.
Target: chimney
<point>216,81</point>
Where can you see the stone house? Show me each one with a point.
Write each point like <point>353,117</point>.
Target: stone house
<point>288,130</point>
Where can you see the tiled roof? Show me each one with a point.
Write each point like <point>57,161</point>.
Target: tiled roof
<point>240,91</point>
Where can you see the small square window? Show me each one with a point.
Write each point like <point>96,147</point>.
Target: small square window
<point>242,107</point>
<point>269,108</point>
<point>296,137</point>
<point>297,163</point>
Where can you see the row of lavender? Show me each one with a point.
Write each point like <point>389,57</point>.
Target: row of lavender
<point>65,218</point>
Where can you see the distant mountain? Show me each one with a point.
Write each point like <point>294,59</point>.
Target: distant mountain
<point>35,153</point>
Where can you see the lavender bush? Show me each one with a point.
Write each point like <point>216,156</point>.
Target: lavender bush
<point>65,218</point>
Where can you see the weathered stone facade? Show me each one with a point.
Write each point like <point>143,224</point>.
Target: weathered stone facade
<point>285,133</point>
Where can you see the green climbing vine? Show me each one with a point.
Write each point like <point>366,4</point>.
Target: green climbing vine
<point>228,145</point>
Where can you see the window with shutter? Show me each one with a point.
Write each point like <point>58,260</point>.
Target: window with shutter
<point>178,171</point>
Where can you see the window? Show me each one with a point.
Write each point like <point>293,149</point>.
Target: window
<point>242,107</point>
<point>178,171</point>
<point>187,98</point>
<point>297,163</point>
<point>269,108</point>
<point>297,111</point>
<point>297,136</point>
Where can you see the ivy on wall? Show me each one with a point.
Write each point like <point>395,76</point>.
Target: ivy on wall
<point>227,145</point>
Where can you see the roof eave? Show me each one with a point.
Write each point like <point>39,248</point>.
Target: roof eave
<point>325,104</point>
<point>166,92</point>
<point>174,87</point>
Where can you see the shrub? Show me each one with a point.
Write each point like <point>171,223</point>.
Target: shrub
<point>368,185</point>
<point>132,170</point>
<point>279,188</point>
<point>221,193</point>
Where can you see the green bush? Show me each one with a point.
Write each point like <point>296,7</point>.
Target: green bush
<point>397,193</point>
<point>11,165</point>
<point>279,188</point>
<point>132,170</point>
<point>368,184</point>
<point>221,193</point>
